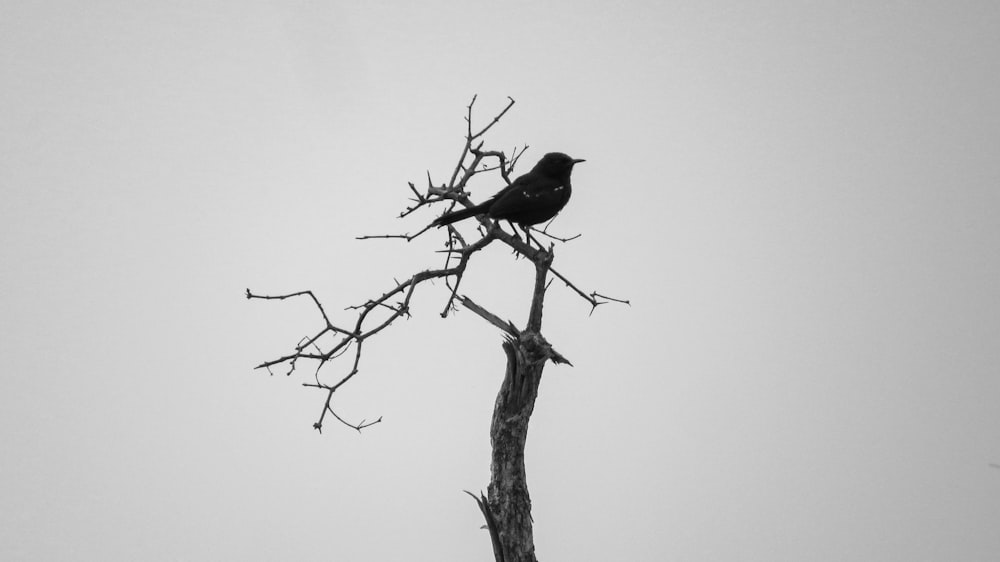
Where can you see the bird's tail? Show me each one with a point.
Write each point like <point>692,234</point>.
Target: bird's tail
<point>461,214</point>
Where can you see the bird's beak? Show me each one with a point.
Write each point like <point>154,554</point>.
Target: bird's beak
<point>578,160</point>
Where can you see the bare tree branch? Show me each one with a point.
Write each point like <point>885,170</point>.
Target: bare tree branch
<point>506,325</point>
<point>331,341</point>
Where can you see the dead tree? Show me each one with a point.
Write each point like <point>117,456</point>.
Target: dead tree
<point>507,509</point>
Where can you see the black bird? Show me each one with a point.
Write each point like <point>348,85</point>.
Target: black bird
<point>532,198</point>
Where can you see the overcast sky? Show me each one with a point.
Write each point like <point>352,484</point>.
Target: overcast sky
<point>800,199</point>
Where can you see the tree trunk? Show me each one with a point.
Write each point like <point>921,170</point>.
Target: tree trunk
<point>508,508</point>
<point>509,502</point>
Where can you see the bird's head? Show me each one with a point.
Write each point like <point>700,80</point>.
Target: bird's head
<point>556,164</point>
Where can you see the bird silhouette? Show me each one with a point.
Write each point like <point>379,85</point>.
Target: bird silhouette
<point>532,198</point>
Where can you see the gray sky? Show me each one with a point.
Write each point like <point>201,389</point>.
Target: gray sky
<point>800,199</point>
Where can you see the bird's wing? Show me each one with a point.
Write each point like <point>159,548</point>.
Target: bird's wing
<point>528,191</point>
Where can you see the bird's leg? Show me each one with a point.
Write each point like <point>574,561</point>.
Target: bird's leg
<point>513,228</point>
<point>530,238</point>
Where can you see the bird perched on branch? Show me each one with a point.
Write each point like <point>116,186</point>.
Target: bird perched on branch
<point>533,198</point>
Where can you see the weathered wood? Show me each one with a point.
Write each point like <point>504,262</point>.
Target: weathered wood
<point>509,502</point>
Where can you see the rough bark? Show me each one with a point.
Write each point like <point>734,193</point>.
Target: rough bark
<point>509,502</point>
